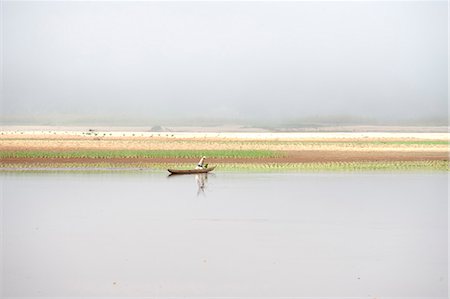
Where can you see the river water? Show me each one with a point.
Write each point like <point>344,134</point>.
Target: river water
<point>239,235</point>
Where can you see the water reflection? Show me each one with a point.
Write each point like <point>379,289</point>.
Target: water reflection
<point>201,179</point>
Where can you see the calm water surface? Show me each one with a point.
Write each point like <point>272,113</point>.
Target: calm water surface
<point>227,235</point>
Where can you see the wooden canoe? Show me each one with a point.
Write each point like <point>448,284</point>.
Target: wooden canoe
<point>191,171</point>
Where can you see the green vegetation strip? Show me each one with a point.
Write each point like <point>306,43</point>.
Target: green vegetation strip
<point>142,154</point>
<point>243,167</point>
<point>341,166</point>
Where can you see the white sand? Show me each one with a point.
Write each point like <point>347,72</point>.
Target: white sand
<point>65,132</point>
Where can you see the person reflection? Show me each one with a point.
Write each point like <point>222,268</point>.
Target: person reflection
<point>201,179</point>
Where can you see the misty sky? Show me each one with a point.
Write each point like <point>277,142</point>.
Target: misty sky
<point>255,60</point>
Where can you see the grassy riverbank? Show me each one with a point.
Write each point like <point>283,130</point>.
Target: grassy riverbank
<point>109,154</point>
<point>230,152</point>
<point>241,167</point>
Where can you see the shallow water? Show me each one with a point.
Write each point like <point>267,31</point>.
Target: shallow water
<point>227,235</point>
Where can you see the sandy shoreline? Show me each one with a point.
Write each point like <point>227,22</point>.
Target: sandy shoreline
<point>298,147</point>
<point>288,136</point>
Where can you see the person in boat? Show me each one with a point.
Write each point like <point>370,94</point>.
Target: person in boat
<point>201,163</point>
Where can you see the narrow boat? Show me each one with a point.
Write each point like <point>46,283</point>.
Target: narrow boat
<point>190,171</point>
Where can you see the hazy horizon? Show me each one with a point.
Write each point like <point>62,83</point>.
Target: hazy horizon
<point>200,63</point>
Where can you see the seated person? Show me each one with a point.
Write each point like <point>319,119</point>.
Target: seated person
<point>201,164</point>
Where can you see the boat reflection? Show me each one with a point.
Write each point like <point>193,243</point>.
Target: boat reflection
<point>201,179</point>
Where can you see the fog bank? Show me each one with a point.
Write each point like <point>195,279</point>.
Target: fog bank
<point>238,62</point>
